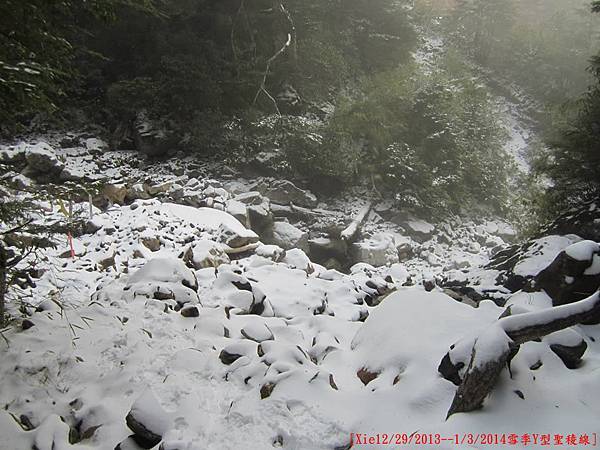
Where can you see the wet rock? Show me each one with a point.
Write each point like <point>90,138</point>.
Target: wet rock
<point>266,390</point>
<point>27,324</point>
<point>228,357</point>
<point>449,370</point>
<point>570,355</point>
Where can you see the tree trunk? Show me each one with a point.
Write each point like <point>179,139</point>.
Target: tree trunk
<point>3,274</point>
<point>350,233</point>
<point>500,342</point>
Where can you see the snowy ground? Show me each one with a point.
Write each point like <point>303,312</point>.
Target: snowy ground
<point>263,348</point>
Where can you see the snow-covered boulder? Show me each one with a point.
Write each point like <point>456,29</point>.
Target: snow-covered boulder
<point>573,275</point>
<point>168,270</point>
<point>166,279</point>
<point>518,265</point>
<point>286,192</point>
<point>148,420</point>
<point>287,236</point>
<point>378,250</point>
<point>238,210</point>
<point>397,338</point>
<point>419,230</point>
<point>205,253</point>
<point>42,161</point>
<point>229,230</point>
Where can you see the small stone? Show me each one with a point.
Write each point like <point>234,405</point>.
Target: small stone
<point>27,324</point>
<point>190,311</point>
<point>266,390</point>
<point>151,243</point>
<point>366,376</point>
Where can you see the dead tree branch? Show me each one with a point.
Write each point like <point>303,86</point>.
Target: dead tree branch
<point>263,88</point>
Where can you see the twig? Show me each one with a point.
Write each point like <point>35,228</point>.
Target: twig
<point>262,87</point>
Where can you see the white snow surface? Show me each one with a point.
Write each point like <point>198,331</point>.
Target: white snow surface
<point>583,251</point>
<point>99,356</point>
<point>109,337</point>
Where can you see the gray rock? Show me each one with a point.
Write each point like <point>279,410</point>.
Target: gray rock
<point>379,250</point>
<point>287,236</point>
<point>286,192</point>
<point>260,218</point>
<point>151,137</point>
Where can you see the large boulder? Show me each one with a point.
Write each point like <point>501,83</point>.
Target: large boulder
<point>583,220</point>
<point>287,236</point>
<point>419,230</point>
<point>573,275</point>
<point>379,250</point>
<point>260,217</point>
<point>42,162</point>
<point>286,192</point>
<point>151,137</point>
<point>518,265</point>
<point>323,249</point>
<point>165,279</point>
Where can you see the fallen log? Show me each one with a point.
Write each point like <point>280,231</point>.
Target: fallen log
<point>488,353</point>
<point>351,231</point>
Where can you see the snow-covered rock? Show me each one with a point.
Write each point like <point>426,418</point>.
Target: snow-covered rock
<point>286,192</point>
<point>42,160</point>
<point>379,250</point>
<point>205,253</point>
<point>287,236</point>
